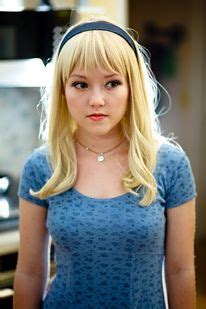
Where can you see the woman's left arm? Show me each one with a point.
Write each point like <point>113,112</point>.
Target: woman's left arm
<point>179,256</point>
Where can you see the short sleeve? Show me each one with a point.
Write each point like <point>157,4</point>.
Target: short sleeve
<point>181,187</point>
<point>32,177</point>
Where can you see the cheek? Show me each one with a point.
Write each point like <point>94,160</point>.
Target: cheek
<point>75,109</point>
<point>72,111</point>
<point>124,98</point>
<point>127,95</point>
<point>124,106</point>
<point>71,104</point>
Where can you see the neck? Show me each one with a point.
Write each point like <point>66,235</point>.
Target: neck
<point>99,143</point>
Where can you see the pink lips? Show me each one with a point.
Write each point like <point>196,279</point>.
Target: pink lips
<point>97,117</point>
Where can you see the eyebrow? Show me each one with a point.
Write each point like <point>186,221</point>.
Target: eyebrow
<point>83,76</point>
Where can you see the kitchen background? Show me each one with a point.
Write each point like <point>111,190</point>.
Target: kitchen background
<point>174,32</point>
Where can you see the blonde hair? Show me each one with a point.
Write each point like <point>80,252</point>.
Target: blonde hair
<point>109,51</point>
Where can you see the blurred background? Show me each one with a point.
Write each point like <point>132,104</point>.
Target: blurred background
<point>174,34</point>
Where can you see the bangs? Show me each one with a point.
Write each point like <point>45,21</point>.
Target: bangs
<point>96,49</point>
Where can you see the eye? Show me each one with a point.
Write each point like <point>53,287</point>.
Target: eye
<point>79,85</point>
<point>113,83</point>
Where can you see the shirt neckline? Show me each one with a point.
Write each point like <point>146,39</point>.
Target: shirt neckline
<point>118,197</point>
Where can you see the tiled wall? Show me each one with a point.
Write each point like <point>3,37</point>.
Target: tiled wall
<point>19,127</point>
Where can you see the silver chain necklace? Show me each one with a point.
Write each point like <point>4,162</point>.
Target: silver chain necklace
<point>100,155</point>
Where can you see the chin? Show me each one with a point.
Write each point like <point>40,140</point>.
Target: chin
<point>100,132</point>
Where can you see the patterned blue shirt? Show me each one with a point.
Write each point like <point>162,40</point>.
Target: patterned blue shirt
<point>109,252</point>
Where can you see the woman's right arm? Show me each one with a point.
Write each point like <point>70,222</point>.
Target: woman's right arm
<point>32,270</point>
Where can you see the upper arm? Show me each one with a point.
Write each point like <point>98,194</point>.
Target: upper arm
<point>34,244</point>
<point>180,233</point>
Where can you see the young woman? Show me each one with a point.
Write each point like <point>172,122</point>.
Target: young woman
<point>116,197</point>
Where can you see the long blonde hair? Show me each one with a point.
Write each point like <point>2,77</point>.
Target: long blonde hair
<point>109,51</point>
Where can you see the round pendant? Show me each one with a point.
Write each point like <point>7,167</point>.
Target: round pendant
<point>100,157</point>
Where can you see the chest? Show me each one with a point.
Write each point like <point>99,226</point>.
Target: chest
<point>101,179</point>
<point>78,223</point>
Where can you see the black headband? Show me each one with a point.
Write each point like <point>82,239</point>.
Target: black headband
<point>98,25</point>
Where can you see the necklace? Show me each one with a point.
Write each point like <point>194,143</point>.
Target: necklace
<point>100,155</point>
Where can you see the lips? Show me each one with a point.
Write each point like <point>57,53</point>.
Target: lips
<point>96,116</point>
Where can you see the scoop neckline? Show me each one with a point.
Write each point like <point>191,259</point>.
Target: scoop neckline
<point>118,197</point>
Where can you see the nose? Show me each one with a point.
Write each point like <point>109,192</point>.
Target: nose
<point>96,98</point>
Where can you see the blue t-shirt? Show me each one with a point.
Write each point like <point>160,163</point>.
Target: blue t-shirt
<point>109,252</point>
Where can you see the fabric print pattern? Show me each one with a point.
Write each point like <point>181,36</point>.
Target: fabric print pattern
<point>109,252</point>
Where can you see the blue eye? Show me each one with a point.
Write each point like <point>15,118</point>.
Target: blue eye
<point>79,85</point>
<point>113,83</point>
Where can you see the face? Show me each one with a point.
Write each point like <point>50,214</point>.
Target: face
<point>97,100</point>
